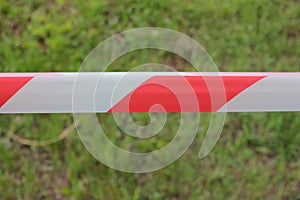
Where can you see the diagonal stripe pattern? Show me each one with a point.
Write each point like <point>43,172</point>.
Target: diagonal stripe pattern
<point>53,92</point>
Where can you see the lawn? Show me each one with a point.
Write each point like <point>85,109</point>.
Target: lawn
<point>257,156</point>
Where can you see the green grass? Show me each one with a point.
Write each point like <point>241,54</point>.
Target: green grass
<point>257,156</point>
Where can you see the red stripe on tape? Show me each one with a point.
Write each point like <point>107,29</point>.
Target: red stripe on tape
<point>160,90</point>
<point>9,86</point>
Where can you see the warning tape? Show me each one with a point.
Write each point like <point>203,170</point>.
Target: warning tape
<point>143,91</point>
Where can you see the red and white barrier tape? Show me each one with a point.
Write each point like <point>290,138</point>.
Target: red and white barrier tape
<point>139,91</point>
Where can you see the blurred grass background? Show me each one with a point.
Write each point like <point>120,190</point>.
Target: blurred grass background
<point>257,156</point>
